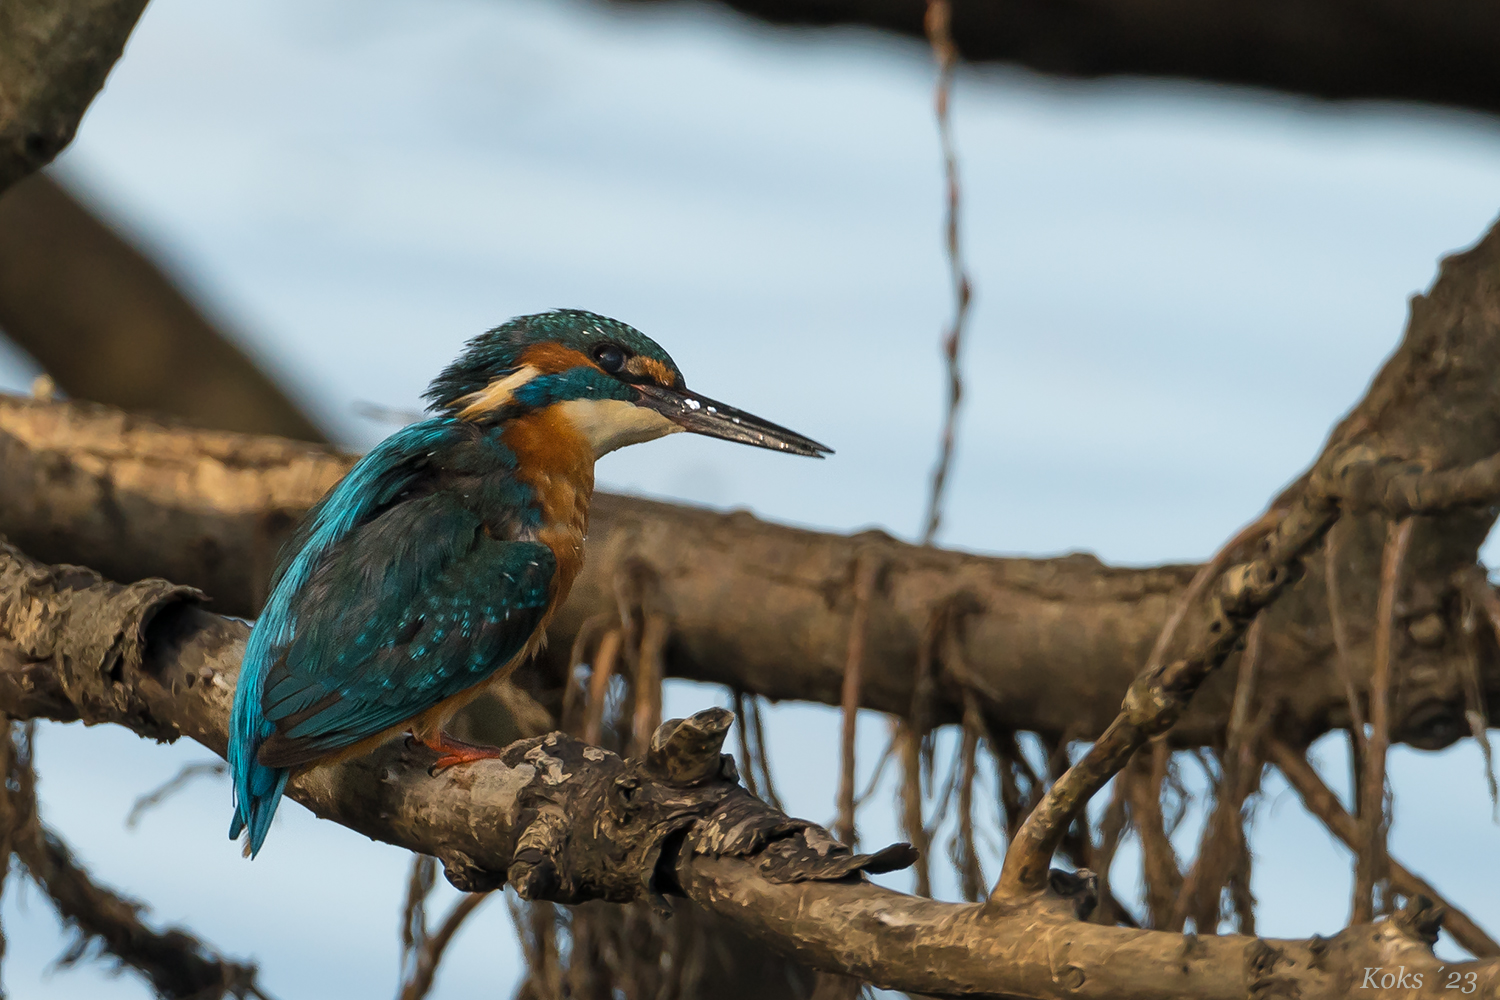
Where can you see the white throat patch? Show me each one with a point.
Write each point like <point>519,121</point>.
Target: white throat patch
<point>608,424</point>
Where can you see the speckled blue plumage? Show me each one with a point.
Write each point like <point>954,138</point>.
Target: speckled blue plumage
<point>394,596</point>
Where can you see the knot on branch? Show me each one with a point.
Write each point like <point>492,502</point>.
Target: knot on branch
<point>1421,918</point>
<point>1080,887</point>
<point>590,825</point>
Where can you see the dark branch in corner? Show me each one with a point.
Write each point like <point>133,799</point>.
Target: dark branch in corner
<point>54,56</point>
<point>109,326</point>
<point>1440,53</point>
<point>177,965</point>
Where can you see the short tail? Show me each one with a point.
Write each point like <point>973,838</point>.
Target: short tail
<point>257,788</point>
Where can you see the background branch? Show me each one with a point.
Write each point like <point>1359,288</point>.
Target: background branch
<point>1435,52</point>
<point>54,56</point>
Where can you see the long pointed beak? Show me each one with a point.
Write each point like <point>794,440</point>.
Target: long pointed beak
<point>702,415</point>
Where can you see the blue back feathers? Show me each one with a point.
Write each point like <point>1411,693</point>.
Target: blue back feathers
<point>394,594</point>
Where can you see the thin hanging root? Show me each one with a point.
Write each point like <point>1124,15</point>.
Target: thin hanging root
<point>648,677</point>
<point>419,885</point>
<point>912,828</point>
<point>536,928</point>
<point>1102,858</point>
<point>742,731</point>
<point>762,755</point>
<point>430,953</point>
<point>1342,655</point>
<point>1370,871</point>
<point>1222,852</point>
<point>886,756</point>
<point>865,571</point>
<point>574,693</point>
<point>1476,586</point>
<point>604,668</point>
<point>945,52</point>
<point>962,850</point>
<point>1163,877</point>
<point>1320,800</point>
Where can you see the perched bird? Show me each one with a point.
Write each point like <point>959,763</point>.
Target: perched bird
<point>435,564</point>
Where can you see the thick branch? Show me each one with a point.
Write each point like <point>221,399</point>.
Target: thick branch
<point>1048,645</point>
<point>565,821</point>
<point>54,56</point>
<point>1438,52</point>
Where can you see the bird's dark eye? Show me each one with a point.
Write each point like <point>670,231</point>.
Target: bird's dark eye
<point>611,357</point>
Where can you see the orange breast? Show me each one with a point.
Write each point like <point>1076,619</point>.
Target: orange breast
<point>557,462</point>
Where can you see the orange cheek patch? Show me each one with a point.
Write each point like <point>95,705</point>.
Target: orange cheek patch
<point>652,369</point>
<point>553,359</point>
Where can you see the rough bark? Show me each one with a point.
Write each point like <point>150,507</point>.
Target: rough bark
<point>107,325</point>
<point>1440,52</point>
<point>565,821</point>
<point>54,56</point>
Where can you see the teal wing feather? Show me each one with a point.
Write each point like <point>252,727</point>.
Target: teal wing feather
<point>389,596</point>
<point>416,606</point>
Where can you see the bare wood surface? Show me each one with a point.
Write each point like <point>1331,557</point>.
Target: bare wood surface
<point>54,56</point>
<point>565,821</point>
<point>1440,52</point>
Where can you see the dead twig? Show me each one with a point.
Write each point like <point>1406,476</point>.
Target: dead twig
<point>1158,696</point>
<point>173,785</point>
<point>176,964</point>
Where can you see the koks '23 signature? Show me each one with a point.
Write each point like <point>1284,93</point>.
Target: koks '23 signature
<point>1379,978</point>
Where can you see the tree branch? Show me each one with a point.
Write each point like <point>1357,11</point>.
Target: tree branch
<point>54,56</point>
<point>109,326</point>
<point>755,606</point>
<point>1319,48</point>
<point>564,821</point>
<point>1410,410</point>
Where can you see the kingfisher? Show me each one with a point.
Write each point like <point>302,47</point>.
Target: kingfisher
<point>432,568</point>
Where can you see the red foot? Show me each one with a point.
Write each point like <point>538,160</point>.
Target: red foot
<point>452,751</point>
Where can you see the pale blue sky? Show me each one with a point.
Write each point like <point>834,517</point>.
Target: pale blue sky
<point>1178,289</point>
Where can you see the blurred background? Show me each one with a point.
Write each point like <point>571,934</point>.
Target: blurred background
<point>1178,288</point>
